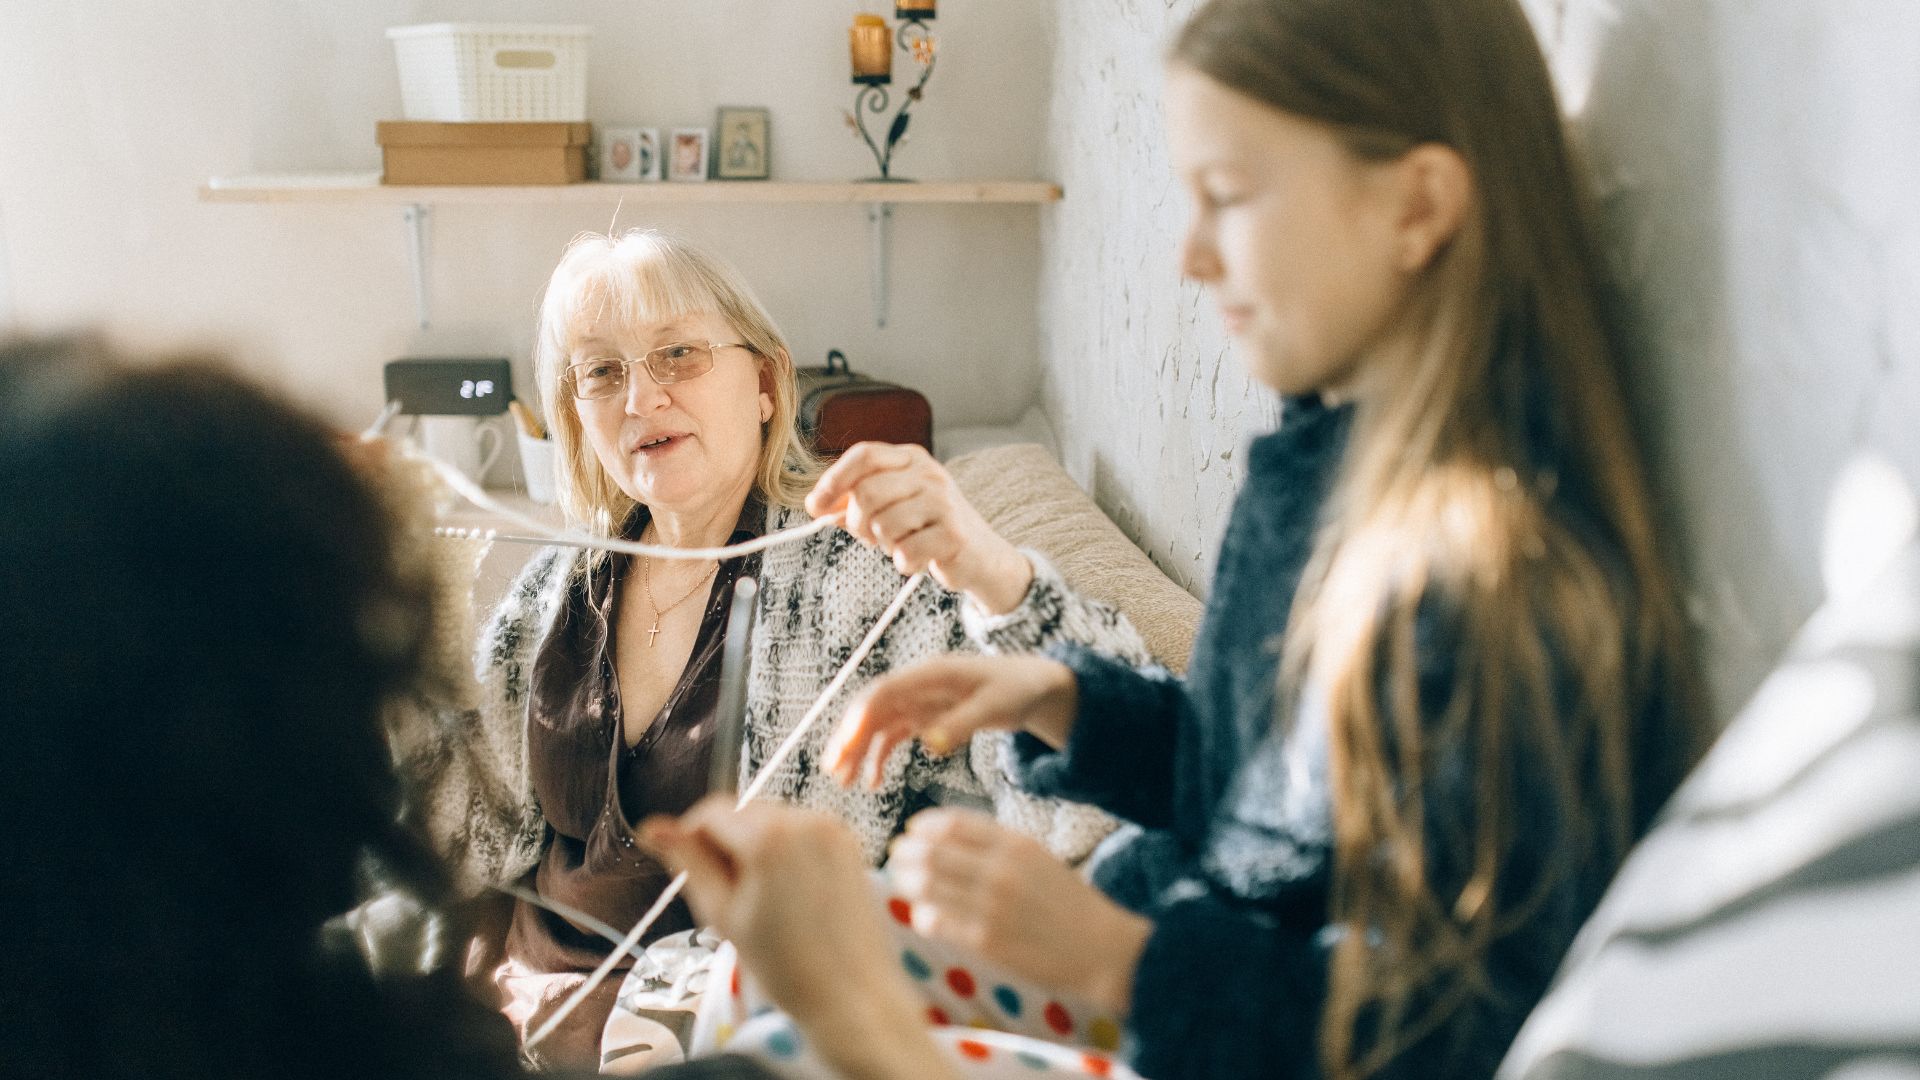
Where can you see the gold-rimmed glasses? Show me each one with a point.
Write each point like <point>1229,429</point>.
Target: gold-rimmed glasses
<point>599,377</point>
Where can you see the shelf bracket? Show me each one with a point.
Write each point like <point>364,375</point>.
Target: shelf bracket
<point>879,219</point>
<point>416,217</point>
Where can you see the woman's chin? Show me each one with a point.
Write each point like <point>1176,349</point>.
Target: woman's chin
<point>676,490</point>
<point>664,488</point>
<point>658,497</point>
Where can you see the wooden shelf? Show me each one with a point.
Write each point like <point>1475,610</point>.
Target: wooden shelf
<point>417,203</point>
<point>366,188</point>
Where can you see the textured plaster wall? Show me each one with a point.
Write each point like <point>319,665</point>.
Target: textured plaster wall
<point>1759,167</point>
<point>1150,409</point>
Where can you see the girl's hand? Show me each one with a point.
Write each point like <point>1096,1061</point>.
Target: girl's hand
<point>900,500</point>
<point>790,889</point>
<point>999,894</point>
<point>945,700</point>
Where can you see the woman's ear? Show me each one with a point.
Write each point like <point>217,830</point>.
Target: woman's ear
<point>770,369</point>
<point>1436,187</point>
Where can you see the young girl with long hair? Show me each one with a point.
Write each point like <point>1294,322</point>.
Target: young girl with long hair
<point>1444,679</point>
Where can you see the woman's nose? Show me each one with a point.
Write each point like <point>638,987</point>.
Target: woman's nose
<point>643,394</point>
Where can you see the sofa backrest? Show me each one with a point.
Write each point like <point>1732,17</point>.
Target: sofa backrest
<point>1024,494</point>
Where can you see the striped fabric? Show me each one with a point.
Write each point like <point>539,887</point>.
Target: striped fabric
<point>1770,925</point>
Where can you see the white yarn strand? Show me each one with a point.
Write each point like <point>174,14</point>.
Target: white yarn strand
<point>473,493</point>
<point>566,911</point>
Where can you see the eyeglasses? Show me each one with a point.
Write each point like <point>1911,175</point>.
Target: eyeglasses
<point>606,376</point>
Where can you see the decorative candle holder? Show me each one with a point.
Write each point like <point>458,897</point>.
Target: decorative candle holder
<point>917,41</point>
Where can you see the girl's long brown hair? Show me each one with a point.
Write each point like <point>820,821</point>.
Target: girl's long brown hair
<point>1453,501</point>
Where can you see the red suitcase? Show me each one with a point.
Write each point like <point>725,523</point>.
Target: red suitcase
<point>839,408</point>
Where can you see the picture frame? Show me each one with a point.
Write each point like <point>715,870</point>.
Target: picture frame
<point>742,143</point>
<point>687,154</point>
<point>646,152</point>
<point>619,154</point>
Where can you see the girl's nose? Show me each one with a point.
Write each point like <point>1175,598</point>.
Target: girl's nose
<point>1198,259</point>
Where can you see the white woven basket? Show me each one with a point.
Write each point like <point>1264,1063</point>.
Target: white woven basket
<point>492,71</point>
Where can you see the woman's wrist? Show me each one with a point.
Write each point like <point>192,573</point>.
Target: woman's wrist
<point>1001,580</point>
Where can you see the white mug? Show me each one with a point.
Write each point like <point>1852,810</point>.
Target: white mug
<point>537,466</point>
<point>468,443</point>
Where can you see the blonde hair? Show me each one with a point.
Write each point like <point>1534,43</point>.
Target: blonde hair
<point>1454,501</point>
<point>644,276</point>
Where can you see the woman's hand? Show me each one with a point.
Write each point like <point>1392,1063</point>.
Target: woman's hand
<point>999,894</point>
<point>790,889</point>
<point>943,701</point>
<point>900,500</point>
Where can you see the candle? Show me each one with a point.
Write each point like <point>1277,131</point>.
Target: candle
<point>914,9</point>
<point>872,45</point>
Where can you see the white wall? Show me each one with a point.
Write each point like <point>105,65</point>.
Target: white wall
<point>113,112</point>
<point>1760,167</point>
<point>6,283</point>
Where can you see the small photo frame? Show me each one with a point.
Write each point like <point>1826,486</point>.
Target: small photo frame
<point>687,154</point>
<point>741,143</point>
<point>646,152</point>
<point>619,154</point>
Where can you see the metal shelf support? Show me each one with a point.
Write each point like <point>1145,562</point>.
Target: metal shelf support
<point>418,219</point>
<point>880,222</point>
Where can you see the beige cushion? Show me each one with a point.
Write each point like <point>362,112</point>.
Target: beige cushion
<point>1025,495</point>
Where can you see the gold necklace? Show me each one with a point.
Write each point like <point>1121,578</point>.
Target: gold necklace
<point>646,583</point>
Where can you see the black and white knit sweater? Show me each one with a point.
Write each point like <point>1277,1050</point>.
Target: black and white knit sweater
<point>473,793</point>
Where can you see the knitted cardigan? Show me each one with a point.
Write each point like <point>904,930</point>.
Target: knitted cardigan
<point>472,792</point>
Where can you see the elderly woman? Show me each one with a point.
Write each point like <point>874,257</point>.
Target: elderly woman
<point>672,400</point>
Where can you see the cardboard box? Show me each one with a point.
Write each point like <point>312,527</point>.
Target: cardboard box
<point>429,152</point>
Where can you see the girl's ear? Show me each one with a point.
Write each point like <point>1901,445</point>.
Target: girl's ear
<point>1436,187</point>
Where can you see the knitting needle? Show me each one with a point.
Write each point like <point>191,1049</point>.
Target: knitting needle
<point>759,784</point>
<point>730,714</point>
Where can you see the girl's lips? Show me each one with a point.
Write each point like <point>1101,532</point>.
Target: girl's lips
<point>1235,318</point>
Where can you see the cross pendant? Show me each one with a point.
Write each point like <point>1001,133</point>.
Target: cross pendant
<point>654,632</point>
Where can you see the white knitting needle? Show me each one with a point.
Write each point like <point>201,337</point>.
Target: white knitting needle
<point>759,784</point>
<point>474,494</point>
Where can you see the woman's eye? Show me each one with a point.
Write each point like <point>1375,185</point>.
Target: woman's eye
<point>677,352</point>
<point>598,369</point>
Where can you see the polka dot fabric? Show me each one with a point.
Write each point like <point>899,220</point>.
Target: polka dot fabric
<point>968,993</point>
<point>990,1024</point>
<point>775,1042</point>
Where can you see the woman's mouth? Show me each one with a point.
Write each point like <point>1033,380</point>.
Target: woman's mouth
<point>1235,319</point>
<point>659,444</point>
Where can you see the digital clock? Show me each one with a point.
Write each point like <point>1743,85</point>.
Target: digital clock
<point>450,387</point>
